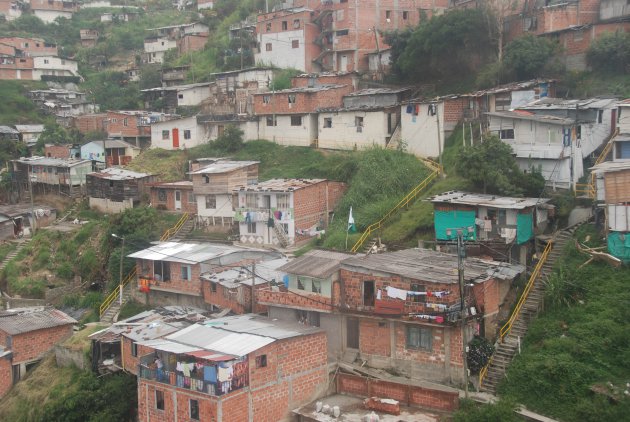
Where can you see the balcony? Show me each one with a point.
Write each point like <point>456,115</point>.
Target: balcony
<point>195,382</point>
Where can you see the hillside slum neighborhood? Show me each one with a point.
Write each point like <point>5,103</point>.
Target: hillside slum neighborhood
<point>245,330</point>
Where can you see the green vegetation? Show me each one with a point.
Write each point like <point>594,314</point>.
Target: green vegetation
<point>574,361</point>
<point>610,53</point>
<point>16,107</point>
<point>132,308</point>
<point>70,395</point>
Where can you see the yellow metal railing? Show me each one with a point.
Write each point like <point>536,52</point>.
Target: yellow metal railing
<point>505,330</point>
<point>116,292</point>
<point>403,202</point>
<point>132,274</point>
<point>173,230</point>
<point>588,189</point>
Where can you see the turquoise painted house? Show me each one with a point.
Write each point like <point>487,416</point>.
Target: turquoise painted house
<point>496,224</point>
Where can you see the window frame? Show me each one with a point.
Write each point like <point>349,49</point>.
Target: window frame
<point>425,333</point>
<point>251,227</point>
<point>166,135</point>
<point>212,204</point>
<point>193,415</point>
<point>159,399</point>
<point>295,122</point>
<point>185,272</point>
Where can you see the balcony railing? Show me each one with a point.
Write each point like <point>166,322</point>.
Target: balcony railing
<point>190,383</point>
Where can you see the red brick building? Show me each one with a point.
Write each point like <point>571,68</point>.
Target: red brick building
<point>286,212</point>
<point>398,309</point>
<point>169,272</point>
<point>175,196</point>
<point>94,122</point>
<point>132,126</point>
<point>317,36</point>
<point>26,335</point>
<point>31,46</point>
<point>246,368</point>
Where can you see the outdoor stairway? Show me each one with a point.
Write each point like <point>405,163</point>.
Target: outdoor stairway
<point>280,234</point>
<point>508,347</point>
<point>184,231</point>
<point>114,308</point>
<point>370,245</point>
<point>12,254</point>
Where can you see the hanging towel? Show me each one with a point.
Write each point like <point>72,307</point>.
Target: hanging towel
<point>379,294</point>
<point>224,374</point>
<point>396,293</point>
<point>186,369</point>
<point>210,373</point>
<point>409,109</point>
<point>417,109</point>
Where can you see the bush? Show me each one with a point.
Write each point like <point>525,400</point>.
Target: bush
<point>231,140</point>
<point>28,287</point>
<point>480,350</point>
<point>610,52</point>
<point>526,57</point>
<point>65,271</point>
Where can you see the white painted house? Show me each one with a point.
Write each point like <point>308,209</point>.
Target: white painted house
<point>290,129</point>
<point>623,116</point>
<point>55,66</point>
<point>356,128</point>
<point>155,49</point>
<point>178,134</point>
<point>178,95</point>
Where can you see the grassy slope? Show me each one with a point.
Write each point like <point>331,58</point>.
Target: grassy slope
<point>582,340</point>
<point>16,107</point>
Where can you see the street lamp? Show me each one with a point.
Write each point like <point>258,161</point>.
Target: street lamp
<point>120,279</point>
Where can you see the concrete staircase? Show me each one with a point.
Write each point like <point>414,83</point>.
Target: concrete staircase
<point>283,238</point>
<point>20,244</point>
<point>184,231</point>
<point>506,350</point>
<point>112,312</point>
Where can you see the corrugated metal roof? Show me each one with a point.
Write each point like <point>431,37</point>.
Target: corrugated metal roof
<point>548,103</point>
<point>377,91</point>
<point>8,129</point>
<point>307,90</point>
<point>429,266</point>
<point>281,185</point>
<point>24,320</point>
<point>49,161</point>
<point>30,128</point>
<point>190,253</point>
<point>116,173</point>
<point>170,346</point>
<point>491,201</point>
<point>223,167</point>
<point>177,87</point>
<point>234,277</point>
<point>111,143</point>
<point>552,120</point>
<point>611,166</point>
<point>316,263</point>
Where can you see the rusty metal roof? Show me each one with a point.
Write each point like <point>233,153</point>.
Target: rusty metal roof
<point>280,185</point>
<point>24,320</point>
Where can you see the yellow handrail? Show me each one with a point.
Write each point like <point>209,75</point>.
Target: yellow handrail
<point>173,230</point>
<point>116,292</point>
<point>588,189</point>
<point>132,274</point>
<point>505,330</point>
<point>403,202</point>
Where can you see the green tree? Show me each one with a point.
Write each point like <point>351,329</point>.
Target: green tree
<point>526,57</point>
<point>231,140</point>
<point>610,52</point>
<point>448,47</point>
<point>52,134</point>
<point>492,167</point>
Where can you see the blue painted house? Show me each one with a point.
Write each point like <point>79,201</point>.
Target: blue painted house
<point>498,226</point>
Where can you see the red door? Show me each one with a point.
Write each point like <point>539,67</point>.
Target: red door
<point>175,138</point>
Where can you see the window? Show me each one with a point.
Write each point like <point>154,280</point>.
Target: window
<point>46,61</point>
<point>283,201</point>
<point>296,23</point>
<point>268,26</point>
<point>194,409</point>
<point>388,14</point>
<point>368,293</point>
<point>419,337</point>
<point>266,99</point>
<point>251,228</point>
<point>261,361</point>
<point>295,44</point>
<point>213,287</point>
<point>211,202</point>
<point>342,32</point>
<point>180,96</point>
<point>125,122</point>
<point>186,272</point>
<point>268,47</point>
<point>316,286</point>
<point>506,134</point>
<point>186,134</point>
<point>166,134</point>
<point>358,122</point>
<point>405,15</point>
<point>600,116</point>
<point>291,98</point>
<point>285,25</point>
<point>251,200</point>
<point>192,198</point>
<point>161,195</point>
<point>159,400</point>
<point>296,120</point>
<point>418,288</point>
<point>161,271</point>
<point>270,121</point>
<point>328,122</point>
<point>134,349</point>
<point>300,283</point>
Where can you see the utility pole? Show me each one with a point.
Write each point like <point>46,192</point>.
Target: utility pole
<point>30,191</point>
<point>439,134</point>
<point>120,274</point>
<point>253,287</point>
<point>241,40</point>
<point>378,55</point>
<point>461,254</point>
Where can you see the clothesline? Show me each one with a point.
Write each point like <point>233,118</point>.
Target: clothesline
<point>395,293</point>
